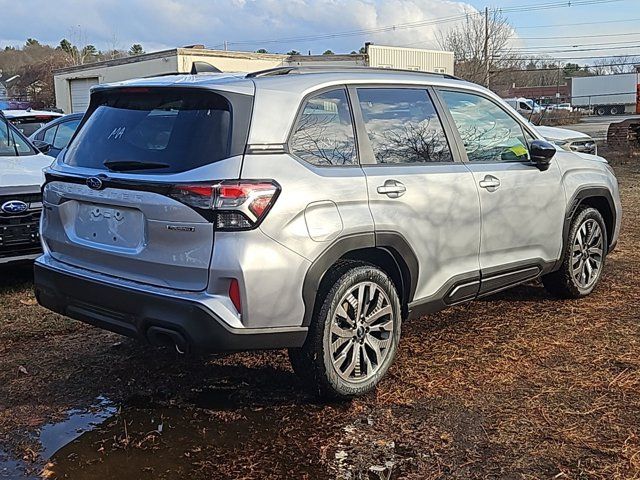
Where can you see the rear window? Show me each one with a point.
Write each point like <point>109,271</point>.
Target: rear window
<point>29,125</point>
<point>154,131</point>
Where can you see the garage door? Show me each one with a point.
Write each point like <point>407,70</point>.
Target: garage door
<point>80,93</point>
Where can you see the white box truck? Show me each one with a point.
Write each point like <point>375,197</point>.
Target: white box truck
<point>606,94</point>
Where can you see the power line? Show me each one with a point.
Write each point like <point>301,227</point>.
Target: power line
<point>598,49</point>
<point>578,24</point>
<point>578,36</point>
<point>556,26</point>
<point>419,24</point>
<point>539,52</point>
<point>575,45</point>
<point>553,5</point>
<point>561,59</point>
<point>556,68</point>
<point>326,36</point>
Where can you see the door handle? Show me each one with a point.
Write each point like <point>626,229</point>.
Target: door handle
<point>490,182</point>
<point>392,188</point>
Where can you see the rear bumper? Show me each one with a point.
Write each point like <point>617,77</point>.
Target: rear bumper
<point>150,317</point>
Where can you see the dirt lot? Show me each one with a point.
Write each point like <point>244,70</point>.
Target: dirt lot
<point>516,386</point>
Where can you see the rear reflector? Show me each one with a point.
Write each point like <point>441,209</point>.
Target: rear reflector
<point>234,294</point>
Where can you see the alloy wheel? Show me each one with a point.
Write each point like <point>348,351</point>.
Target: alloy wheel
<point>587,253</point>
<point>361,332</point>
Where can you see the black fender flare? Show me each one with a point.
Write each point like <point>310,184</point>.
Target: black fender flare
<point>577,199</point>
<point>393,242</point>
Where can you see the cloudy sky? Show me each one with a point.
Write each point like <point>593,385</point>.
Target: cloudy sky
<point>278,25</point>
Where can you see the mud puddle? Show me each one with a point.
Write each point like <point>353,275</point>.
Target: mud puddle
<point>211,437</point>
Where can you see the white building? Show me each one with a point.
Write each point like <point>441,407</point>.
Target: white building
<point>72,84</point>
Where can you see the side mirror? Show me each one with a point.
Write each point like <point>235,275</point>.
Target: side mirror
<point>541,153</point>
<point>42,146</point>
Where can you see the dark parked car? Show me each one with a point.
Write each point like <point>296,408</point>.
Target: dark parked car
<point>29,120</point>
<point>56,134</point>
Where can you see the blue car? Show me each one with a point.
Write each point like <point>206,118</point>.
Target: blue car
<point>56,134</point>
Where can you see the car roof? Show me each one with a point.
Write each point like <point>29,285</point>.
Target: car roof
<point>30,113</point>
<point>298,78</point>
<point>69,116</point>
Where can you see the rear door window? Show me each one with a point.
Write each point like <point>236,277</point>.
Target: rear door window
<point>162,130</point>
<point>403,126</point>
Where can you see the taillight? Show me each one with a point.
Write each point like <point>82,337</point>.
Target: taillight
<point>238,205</point>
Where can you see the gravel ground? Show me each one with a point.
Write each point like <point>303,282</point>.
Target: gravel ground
<point>518,385</point>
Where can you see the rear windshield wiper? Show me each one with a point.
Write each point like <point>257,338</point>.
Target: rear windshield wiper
<point>124,165</point>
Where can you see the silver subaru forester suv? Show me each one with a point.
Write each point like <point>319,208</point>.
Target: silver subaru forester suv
<point>313,210</point>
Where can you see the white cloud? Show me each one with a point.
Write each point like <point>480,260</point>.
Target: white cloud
<point>160,24</point>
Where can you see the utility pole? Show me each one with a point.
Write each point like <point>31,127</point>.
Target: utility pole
<point>558,85</point>
<point>486,46</point>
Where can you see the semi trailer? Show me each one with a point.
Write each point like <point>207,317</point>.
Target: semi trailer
<point>606,94</point>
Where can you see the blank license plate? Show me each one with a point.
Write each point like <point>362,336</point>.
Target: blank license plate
<point>115,226</point>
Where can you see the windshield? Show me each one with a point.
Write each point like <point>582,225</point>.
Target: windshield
<point>533,105</point>
<point>12,143</point>
<point>153,130</point>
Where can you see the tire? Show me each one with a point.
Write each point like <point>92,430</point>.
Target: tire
<point>343,356</point>
<point>583,257</point>
<point>601,111</point>
<point>615,110</point>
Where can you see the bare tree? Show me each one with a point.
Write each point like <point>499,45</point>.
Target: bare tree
<point>114,50</point>
<point>466,40</point>
<point>615,65</point>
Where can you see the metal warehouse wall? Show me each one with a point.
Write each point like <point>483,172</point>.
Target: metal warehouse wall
<point>410,58</point>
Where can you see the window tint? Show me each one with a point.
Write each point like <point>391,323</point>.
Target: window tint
<point>170,130</point>
<point>489,134</point>
<point>65,131</point>
<point>50,135</point>
<point>403,126</point>
<point>324,133</point>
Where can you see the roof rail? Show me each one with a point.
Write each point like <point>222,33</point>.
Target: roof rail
<point>276,71</point>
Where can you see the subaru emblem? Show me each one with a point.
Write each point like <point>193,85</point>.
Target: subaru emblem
<point>94,183</point>
<point>14,206</point>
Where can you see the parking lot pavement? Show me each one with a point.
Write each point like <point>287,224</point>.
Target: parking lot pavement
<point>517,385</point>
<point>597,127</point>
